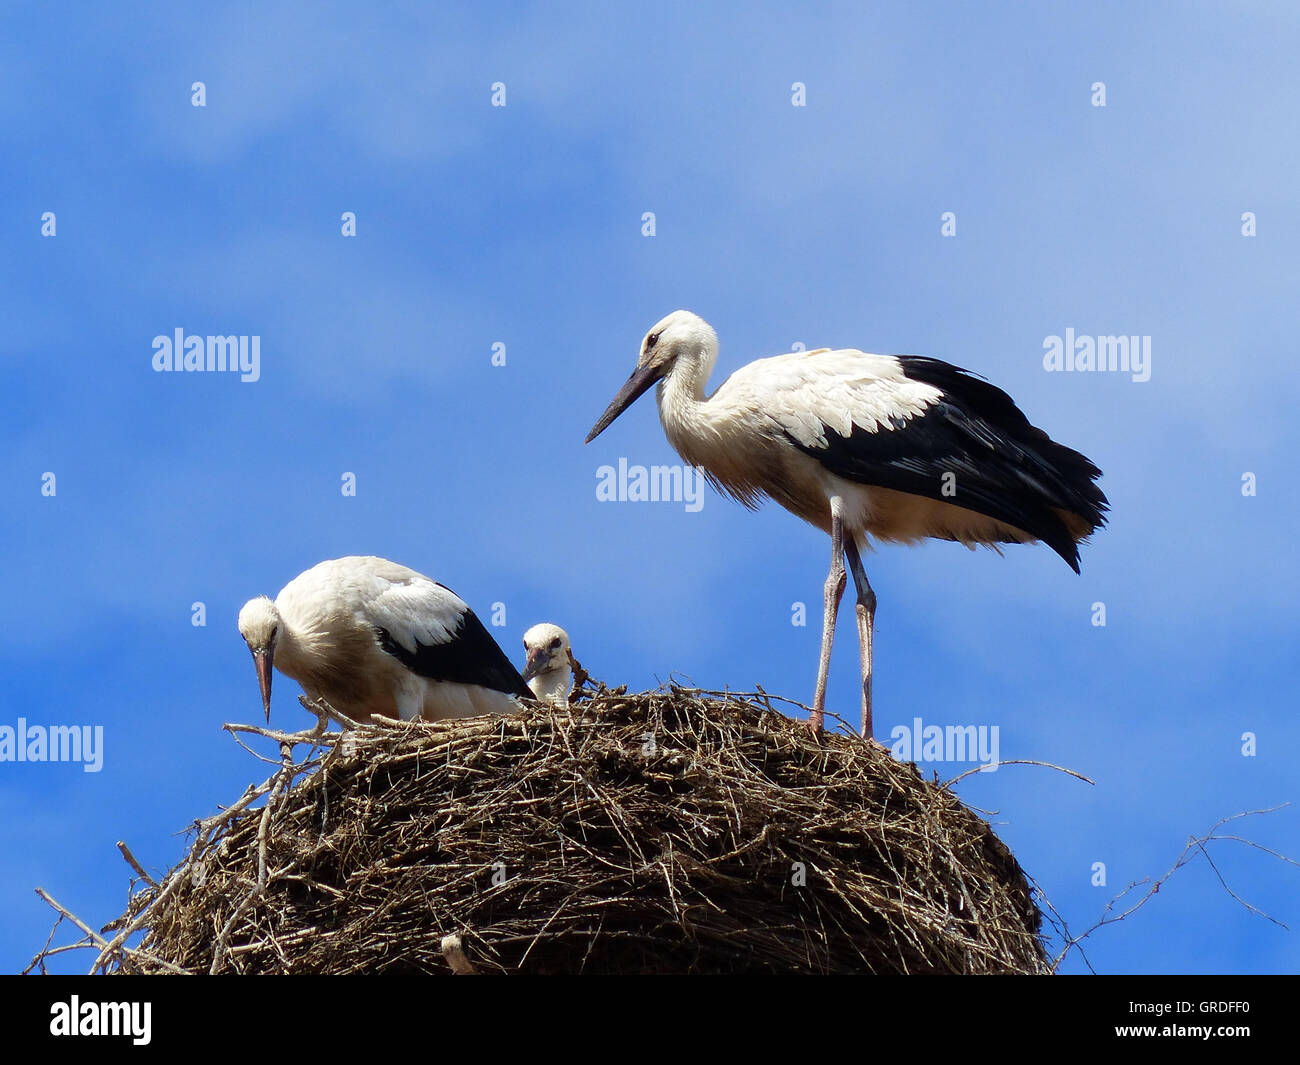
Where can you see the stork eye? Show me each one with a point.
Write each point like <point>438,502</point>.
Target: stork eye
<point>555,644</point>
<point>651,341</point>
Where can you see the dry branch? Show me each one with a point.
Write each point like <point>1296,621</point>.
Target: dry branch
<point>1195,845</point>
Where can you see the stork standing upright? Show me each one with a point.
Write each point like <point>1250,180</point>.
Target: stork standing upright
<point>369,637</point>
<point>890,447</point>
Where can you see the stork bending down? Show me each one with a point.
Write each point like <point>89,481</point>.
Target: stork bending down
<point>890,447</point>
<point>370,637</point>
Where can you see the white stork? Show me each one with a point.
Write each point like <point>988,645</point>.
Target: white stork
<point>890,447</point>
<point>548,668</point>
<point>369,637</point>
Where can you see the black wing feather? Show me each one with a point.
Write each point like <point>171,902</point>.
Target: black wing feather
<point>471,656</point>
<point>1006,468</point>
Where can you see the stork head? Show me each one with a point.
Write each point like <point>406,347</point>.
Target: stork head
<point>259,624</point>
<point>679,337</point>
<point>549,661</point>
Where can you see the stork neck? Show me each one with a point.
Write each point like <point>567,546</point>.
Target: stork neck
<point>681,392</point>
<point>289,657</point>
<point>553,686</point>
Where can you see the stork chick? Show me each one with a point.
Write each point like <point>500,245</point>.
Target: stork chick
<point>548,668</point>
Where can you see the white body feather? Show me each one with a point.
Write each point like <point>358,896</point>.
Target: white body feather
<point>738,436</point>
<point>328,641</point>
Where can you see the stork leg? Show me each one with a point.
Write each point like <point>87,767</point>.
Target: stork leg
<point>834,592</point>
<point>866,611</point>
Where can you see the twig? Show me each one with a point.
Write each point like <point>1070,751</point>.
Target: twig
<point>1195,845</point>
<point>130,860</point>
<point>268,811</point>
<point>92,935</point>
<point>311,736</point>
<point>92,938</point>
<point>581,677</point>
<point>1021,761</point>
<point>176,877</point>
<point>46,951</point>
<point>324,711</point>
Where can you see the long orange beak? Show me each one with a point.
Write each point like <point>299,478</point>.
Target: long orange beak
<point>262,660</point>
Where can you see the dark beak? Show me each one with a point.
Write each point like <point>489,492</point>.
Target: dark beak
<point>262,660</point>
<point>537,662</point>
<point>642,378</point>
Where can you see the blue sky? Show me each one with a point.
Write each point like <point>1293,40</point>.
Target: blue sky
<point>780,225</point>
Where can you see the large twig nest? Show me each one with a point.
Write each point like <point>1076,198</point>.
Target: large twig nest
<point>678,831</point>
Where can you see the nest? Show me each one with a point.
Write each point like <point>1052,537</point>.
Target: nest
<point>675,831</point>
